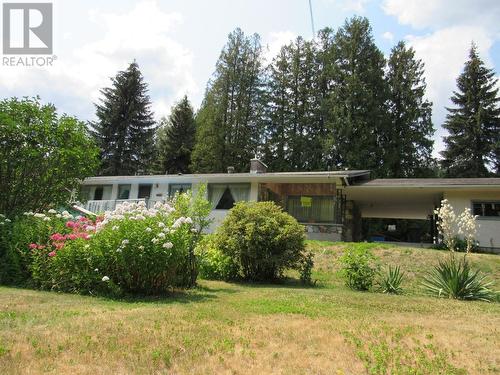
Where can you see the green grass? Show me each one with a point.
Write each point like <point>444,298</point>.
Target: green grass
<point>258,328</point>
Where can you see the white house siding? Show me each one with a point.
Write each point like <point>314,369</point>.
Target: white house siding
<point>489,228</point>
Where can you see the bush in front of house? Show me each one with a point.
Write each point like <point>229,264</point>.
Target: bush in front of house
<point>213,264</point>
<point>132,249</point>
<point>18,239</point>
<point>358,267</point>
<point>454,278</point>
<point>261,241</point>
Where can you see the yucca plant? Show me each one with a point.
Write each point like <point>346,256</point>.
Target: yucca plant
<point>391,281</point>
<point>454,278</point>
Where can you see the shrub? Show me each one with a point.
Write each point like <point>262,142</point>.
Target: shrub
<point>43,156</point>
<point>213,264</point>
<point>454,278</point>
<point>21,236</point>
<point>358,267</point>
<point>130,250</point>
<point>261,240</point>
<point>306,267</point>
<point>391,281</point>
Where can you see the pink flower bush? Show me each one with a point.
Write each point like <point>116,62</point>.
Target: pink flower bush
<point>81,227</point>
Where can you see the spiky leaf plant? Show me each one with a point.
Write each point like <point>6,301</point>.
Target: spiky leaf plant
<point>391,281</point>
<point>454,278</point>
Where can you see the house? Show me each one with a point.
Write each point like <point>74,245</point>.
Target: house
<point>332,205</point>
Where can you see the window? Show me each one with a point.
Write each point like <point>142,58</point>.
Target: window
<point>144,191</point>
<point>96,192</point>
<point>312,209</point>
<point>224,196</point>
<point>486,209</point>
<point>123,191</point>
<point>99,191</point>
<point>178,188</point>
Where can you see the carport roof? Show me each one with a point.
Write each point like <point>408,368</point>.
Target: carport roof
<point>431,182</point>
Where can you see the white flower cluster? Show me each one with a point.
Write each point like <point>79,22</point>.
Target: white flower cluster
<point>4,219</point>
<point>446,219</point>
<point>467,227</point>
<point>182,220</point>
<point>449,225</point>
<point>50,213</point>
<point>135,211</point>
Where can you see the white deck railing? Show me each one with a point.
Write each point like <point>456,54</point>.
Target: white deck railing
<point>108,205</point>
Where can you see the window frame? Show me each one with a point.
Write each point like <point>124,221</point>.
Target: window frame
<point>129,191</point>
<point>332,221</point>
<point>139,191</point>
<point>484,201</point>
<point>170,195</point>
<point>209,193</point>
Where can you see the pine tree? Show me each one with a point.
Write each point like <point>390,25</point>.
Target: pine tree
<point>293,141</point>
<point>474,124</point>
<point>407,139</point>
<point>357,104</point>
<point>229,120</point>
<point>125,127</point>
<point>175,140</point>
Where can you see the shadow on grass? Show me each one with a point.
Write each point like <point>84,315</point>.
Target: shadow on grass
<point>199,293</point>
<point>286,283</point>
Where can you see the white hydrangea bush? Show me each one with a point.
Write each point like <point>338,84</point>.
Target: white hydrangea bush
<point>144,249</point>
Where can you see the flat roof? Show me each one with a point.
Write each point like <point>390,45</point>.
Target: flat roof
<point>430,182</point>
<point>237,176</point>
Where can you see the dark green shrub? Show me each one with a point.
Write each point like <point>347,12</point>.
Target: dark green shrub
<point>213,264</point>
<point>454,278</point>
<point>390,282</point>
<point>306,267</point>
<point>262,240</point>
<point>358,267</point>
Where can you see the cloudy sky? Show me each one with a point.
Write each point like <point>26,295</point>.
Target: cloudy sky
<point>177,42</point>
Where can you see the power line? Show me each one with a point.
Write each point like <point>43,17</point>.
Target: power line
<point>312,19</point>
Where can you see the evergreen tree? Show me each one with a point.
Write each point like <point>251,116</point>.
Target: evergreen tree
<point>408,142</point>
<point>125,127</point>
<point>357,104</point>
<point>474,124</point>
<point>293,141</point>
<point>229,120</point>
<point>175,140</point>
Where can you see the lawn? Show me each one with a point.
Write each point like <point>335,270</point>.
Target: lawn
<point>224,328</point>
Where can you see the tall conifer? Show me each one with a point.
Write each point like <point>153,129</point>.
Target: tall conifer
<point>473,125</point>
<point>125,127</point>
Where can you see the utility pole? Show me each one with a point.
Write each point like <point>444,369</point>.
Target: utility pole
<point>312,19</point>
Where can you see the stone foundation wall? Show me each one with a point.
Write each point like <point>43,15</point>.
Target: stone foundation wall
<point>324,232</point>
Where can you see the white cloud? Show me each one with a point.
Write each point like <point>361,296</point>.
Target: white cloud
<point>274,42</point>
<point>388,35</point>
<point>453,25</point>
<point>444,13</point>
<point>78,75</point>
<point>357,6</point>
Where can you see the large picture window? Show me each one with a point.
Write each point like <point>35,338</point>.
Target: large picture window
<point>312,209</point>
<point>486,209</point>
<point>224,196</point>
